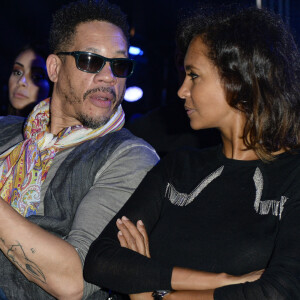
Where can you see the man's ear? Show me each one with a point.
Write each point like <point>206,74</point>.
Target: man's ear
<point>53,64</point>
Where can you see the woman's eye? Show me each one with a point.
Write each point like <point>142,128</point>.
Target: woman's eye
<point>17,72</point>
<point>192,75</point>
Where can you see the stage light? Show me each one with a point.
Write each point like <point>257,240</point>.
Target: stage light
<point>135,50</point>
<point>133,93</point>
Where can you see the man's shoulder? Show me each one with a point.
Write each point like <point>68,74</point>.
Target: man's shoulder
<point>129,137</point>
<point>115,145</point>
<point>11,120</point>
<point>136,146</point>
<point>124,138</point>
<point>11,131</point>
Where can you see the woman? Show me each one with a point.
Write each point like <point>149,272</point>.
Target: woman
<point>28,82</point>
<point>231,209</point>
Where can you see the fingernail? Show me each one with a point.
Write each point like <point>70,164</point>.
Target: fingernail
<point>120,233</point>
<point>119,221</point>
<point>140,222</point>
<point>124,218</point>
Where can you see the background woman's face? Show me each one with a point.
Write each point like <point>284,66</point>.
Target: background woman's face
<point>28,82</point>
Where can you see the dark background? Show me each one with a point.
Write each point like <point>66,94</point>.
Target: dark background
<point>154,23</point>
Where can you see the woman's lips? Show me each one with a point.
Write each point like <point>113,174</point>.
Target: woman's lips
<point>189,110</point>
<point>20,96</point>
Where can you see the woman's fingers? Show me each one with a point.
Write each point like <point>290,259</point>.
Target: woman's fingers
<point>255,275</point>
<point>249,277</point>
<point>129,241</point>
<point>141,228</point>
<point>134,239</point>
<point>136,234</point>
<point>122,240</point>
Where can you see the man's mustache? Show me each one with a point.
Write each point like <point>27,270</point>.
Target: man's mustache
<point>100,89</point>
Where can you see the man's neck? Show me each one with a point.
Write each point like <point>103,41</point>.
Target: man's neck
<point>58,119</point>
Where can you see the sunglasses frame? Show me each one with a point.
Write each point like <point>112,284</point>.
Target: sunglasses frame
<point>76,55</point>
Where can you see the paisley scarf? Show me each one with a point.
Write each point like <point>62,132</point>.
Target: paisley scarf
<point>24,167</point>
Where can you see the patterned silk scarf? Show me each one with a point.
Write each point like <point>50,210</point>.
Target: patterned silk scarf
<point>24,167</point>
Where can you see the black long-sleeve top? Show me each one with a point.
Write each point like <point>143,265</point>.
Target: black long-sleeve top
<point>206,212</point>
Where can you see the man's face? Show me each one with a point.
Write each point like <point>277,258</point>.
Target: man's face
<point>87,98</point>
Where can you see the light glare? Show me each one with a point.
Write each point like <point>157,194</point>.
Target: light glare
<point>135,50</point>
<point>133,93</point>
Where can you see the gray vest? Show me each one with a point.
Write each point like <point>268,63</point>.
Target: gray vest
<point>70,184</point>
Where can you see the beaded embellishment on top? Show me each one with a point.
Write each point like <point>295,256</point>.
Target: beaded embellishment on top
<point>264,207</point>
<point>183,199</point>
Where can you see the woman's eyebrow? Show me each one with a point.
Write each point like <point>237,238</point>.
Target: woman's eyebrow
<point>192,67</point>
<point>17,63</point>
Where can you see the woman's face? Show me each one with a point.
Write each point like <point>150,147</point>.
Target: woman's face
<point>28,82</point>
<point>205,98</point>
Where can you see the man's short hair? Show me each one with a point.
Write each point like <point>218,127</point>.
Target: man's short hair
<point>66,20</point>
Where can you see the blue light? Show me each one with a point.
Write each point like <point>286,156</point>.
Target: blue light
<point>135,50</point>
<point>133,93</point>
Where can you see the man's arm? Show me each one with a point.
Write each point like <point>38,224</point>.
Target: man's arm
<point>43,258</point>
<point>53,263</point>
<point>113,185</point>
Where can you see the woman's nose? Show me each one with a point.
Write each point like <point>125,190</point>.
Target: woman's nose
<point>183,91</point>
<point>23,81</point>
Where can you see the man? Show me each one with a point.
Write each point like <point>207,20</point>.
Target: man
<point>74,168</point>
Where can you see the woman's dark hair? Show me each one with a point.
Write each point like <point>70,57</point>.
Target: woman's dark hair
<point>40,49</point>
<point>258,62</point>
<point>66,19</point>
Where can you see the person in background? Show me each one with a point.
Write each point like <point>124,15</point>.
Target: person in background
<point>223,222</point>
<point>28,83</point>
<point>71,167</point>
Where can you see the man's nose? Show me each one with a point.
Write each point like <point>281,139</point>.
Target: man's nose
<point>106,74</point>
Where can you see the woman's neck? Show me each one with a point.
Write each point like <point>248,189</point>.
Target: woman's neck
<point>236,149</point>
<point>233,143</point>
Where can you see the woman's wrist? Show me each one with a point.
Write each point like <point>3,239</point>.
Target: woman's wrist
<point>191,295</point>
<point>187,279</point>
<point>225,279</point>
<point>160,294</point>
<point>141,296</point>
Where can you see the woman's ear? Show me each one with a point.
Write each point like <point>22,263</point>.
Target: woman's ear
<point>53,64</point>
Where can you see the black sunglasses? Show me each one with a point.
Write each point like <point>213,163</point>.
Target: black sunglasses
<point>93,63</point>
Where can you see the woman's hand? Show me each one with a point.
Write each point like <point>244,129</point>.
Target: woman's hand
<point>184,279</point>
<point>133,237</point>
<point>205,291</point>
<point>249,277</point>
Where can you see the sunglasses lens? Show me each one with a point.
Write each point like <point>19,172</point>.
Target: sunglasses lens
<point>122,68</point>
<point>90,63</point>
<point>93,63</point>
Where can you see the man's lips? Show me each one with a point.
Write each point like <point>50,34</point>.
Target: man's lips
<point>101,99</point>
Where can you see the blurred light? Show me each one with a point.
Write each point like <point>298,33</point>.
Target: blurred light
<point>258,4</point>
<point>133,93</point>
<point>135,50</point>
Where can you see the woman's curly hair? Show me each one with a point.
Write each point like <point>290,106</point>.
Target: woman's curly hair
<point>258,62</point>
